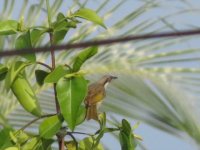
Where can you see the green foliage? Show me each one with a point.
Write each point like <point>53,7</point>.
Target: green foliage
<point>60,28</point>
<point>12,148</point>
<point>45,144</point>
<point>71,145</point>
<point>40,75</point>
<point>70,87</point>
<point>50,126</point>
<point>19,137</point>
<point>35,35</point>
<point>102,122</point>
<point>4,134</point>
<point>25,95</point>
<point>36,143</point>
<point>126,136</point>
<point>87,143</point>
<point>31,144</point>
<point>90,15</point>
<point>80,115</point>
<point>83,56</point>
<point>8,27</point>
<point>56,74</point>
<point>24,41</point>
<point>14,70</point>
<point>3,71</point>
<point>69,100</point>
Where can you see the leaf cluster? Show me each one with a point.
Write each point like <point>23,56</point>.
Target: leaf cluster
<point>70,85</point>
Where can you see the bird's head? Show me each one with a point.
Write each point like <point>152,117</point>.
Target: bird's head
<point>106,79</point>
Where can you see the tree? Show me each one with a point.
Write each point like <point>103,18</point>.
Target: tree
<point>144,73</point>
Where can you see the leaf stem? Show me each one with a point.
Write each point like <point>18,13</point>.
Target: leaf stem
<point>43,64</point>
<point>36,119</point>
<point>80,133</point>
<point>74,139</point>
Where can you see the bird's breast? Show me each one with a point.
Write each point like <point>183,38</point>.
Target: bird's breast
<point>99,104</point>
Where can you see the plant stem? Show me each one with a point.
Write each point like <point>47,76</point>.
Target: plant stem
<point>43,64</point>
<point>74,139</point>
<point>53,65</point>
<point>36,119</point>
<point>80,133</point>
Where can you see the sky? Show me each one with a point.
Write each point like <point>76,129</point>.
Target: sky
<point>153,139</point>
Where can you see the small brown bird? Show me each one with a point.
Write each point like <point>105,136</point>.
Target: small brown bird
<point>96,94</point>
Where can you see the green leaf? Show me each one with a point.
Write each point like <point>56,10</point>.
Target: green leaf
<point>37,143</point>
<point>26,95</point>
<point>36,36</point>
<point>40,76</point>
<point>60,16</point>
<point>71,93</point>
<point>61,22</point>
<point>46,144</point>
<point>102,122</point>
<point>56,74</point>
<point>19,137</point>
<point>3,71</point>
<point>8,27</point>
<point>126,137</point>
<point>4,134</point>
<point>12,148</point>
<point>24,41</point>
<point>90,15</point>
<point>60,28</point>
<point>31,144</point>
<point>50,126</point>
<point>83,56</point>
<point>71,145</point>
<point>81,115</point>
<point>126,127</point>
<point>13,71</point>
<point>59,35</point>
<point>87,144</point>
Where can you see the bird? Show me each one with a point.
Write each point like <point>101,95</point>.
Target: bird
<point>96,94</point>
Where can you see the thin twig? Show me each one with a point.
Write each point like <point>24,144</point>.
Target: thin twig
<point>74,139</point>
<point>43,64</point>
<point>12,52</point>
<point>36,119</point>
<point>81,133</point>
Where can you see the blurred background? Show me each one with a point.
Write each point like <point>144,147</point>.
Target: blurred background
<point>158,80</point>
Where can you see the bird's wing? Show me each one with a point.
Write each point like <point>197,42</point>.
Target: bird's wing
<point>95,94</point>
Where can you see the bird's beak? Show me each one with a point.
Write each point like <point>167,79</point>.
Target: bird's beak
<point>113,77</point>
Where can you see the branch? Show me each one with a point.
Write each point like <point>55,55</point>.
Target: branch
<point>74,139</point>
<point>43,64</point>
<point>80,133</point>
<point>36,119</point>
<point>12,52</point>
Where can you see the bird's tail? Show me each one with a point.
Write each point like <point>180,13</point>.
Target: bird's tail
<point>91,112</point>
